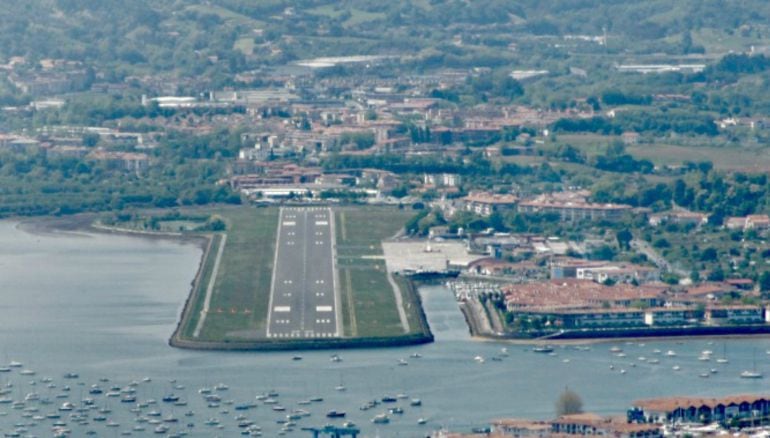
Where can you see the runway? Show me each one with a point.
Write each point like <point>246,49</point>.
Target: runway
<point>303,295</point>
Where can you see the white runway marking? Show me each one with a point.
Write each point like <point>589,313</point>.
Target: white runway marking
<point>283,309</point>
<point>324,309</point>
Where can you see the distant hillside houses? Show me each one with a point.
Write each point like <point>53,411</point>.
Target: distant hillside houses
<point>486,204</point>
<point>128,161</point>
<point>571,206</point>
<point>680,217</point>
<point>750,222</point>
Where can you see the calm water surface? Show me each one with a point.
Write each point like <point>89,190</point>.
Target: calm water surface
<point>104,307</point>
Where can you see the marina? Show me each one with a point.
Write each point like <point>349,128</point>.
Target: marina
<point>158,389</point>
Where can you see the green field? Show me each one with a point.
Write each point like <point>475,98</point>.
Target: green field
<point>241,290</point>
<point>242,287</point>
<point>368,301</point>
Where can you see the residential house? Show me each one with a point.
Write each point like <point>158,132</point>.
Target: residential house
<point>486,204</point>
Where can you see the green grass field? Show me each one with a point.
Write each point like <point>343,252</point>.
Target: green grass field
<point>241,292</point>
<point>242,288</point>
<point>368,301</point>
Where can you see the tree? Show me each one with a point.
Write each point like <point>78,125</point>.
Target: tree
<point>717,274</point>
<point>624,239</point>
<point>568,403</point>
<point>764,281</point>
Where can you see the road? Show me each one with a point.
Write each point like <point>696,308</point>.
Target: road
<point>646,249</point>
<point>304,300</point>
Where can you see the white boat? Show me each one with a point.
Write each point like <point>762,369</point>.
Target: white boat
<point>381,419</point>
<point>676,368</point>
<point>402,362</point>
<point>723,359</point>
<point>479,359</point>
<point>422,421</point>
<point>670,353</point>
<point>653,361</point>
<point>753,374</point>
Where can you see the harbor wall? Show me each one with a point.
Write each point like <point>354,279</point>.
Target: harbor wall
<point>303,344</point>
<point>662,332</point>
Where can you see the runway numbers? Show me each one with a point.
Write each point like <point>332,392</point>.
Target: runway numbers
<point>319,282</point>
<point>287,281</point>
<point>319,294</point>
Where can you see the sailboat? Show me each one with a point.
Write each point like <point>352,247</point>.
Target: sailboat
<point>753,374</point>
<point>341,387</point>
<point>723,359</point>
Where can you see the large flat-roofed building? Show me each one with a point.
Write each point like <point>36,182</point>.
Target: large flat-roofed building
<point>737,314</point>
<point>668,316</point>
<point>592,318</point>
<point>754,408</point>
<point>601,271</point>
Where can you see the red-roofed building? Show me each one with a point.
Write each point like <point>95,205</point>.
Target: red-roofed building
<point>485,204</point>
<point>701,409</point>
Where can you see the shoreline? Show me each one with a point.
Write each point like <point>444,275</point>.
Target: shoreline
<point>86,223</point>
<point>596,341</point>
<point>620,335</point>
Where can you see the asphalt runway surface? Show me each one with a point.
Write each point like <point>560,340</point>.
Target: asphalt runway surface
<point>304,301</point>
